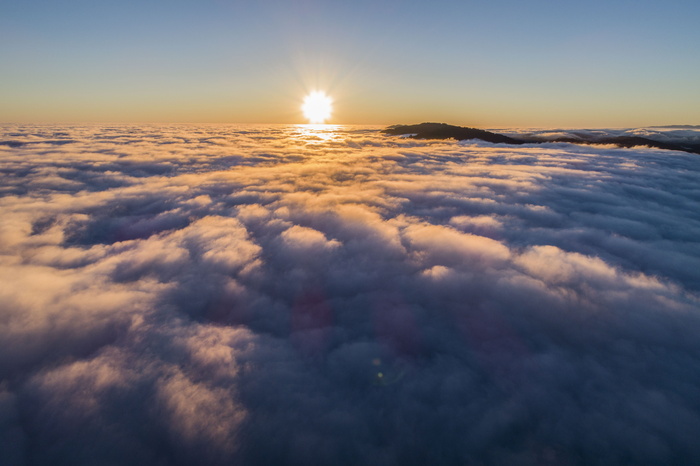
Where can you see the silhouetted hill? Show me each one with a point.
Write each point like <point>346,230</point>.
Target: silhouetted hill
<point>445,131</point>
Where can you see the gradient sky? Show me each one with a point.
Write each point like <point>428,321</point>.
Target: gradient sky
<point>489,64</point>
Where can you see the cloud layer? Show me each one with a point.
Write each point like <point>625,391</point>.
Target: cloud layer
<point>291,295</point>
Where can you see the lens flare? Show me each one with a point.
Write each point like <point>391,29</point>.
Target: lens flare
<point>317,107</point>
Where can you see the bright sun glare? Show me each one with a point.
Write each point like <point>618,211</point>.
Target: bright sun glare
<point>317,107</point>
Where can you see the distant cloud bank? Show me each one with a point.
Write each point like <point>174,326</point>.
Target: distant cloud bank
<point>290,295</point>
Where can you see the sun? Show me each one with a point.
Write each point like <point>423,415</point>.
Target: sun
<point>317,107</point>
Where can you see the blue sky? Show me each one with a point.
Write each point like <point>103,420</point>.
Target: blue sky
<point>497,63</point>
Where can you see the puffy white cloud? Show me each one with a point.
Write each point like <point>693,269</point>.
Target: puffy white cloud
<point>307,239</point>
<point>445,246</point>
<point>281,295</point>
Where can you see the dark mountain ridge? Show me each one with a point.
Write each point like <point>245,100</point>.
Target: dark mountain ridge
<point>445,131</point>
<point>461,133</point>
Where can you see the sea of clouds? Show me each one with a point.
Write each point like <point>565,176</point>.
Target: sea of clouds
<point>175,295</point>
<point>680,134</point>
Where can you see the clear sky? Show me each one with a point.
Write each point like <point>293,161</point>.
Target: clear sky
<point>481,63</point>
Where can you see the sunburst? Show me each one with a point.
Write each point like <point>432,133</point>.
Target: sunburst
<point>317,107</point>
